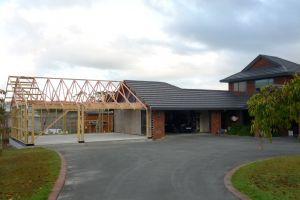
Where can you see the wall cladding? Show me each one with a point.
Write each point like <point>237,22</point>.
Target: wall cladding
<point>127,121</point>
<point>250,87</point>
<point>204,122</point>
<point>215,122</point>
<point>231,87</point>
<point>158,124</point>
<point>281,80</point>
<point>262,63</point>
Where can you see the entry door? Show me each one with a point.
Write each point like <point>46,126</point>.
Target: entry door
<point>204,122</point>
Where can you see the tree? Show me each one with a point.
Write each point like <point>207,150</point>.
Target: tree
<point>2,118</point>
<point>275,108</point>
<point>291,94</point>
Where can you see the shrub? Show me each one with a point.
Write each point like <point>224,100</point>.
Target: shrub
<point>245,130</point>
<point>241,130</point>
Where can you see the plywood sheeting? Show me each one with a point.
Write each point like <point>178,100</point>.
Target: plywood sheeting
<point>128,121</point>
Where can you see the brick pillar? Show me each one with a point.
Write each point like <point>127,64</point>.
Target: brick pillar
<point>215,122</point>
<point>250,87</point>
<point>158,124</point>
<point>231,87</point>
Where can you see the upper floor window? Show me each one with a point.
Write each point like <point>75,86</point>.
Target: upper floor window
<point>262,83</point>
<point>239,86</point>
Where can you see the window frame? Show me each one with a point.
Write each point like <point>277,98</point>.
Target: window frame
<point>240,86</point>
<point>258,86</point>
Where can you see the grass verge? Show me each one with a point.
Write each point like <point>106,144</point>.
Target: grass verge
<point>28,173</point>
<point>276,178</point>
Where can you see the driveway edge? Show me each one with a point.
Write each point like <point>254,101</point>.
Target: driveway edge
<point>230,187</point>
<point>60,182</point>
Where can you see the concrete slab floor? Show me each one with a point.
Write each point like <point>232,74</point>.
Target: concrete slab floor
<point>88,137</point>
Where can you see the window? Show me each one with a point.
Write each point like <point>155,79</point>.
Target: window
<point>242,86</point>
<point>239,86</point>
<point>262,83</point>
<point>236,87</point>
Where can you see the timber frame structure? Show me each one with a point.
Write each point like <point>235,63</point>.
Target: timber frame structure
<point>29,97</point>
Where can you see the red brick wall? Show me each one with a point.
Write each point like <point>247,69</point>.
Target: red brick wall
<point>261,63</point>
<point>251,84</point>
<point>158,124</point>
<point>250,87</point>
<point>231,87</point>
<point>282,79</point>
<point>277,80</point>
<point>215,122</point>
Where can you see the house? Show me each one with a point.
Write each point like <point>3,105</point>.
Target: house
<point>178,110</point>
<point>149,108</point>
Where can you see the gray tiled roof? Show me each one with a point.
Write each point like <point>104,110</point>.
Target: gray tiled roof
<point>164,96</point>
<point>279,67</point>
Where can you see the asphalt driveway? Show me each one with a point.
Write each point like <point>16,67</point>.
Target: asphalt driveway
<point>178,167</point>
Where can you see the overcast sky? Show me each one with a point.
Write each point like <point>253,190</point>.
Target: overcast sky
<point>192,44</point>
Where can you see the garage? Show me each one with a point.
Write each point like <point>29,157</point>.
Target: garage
<point>187,122</point>
<point>43,105</point>
<point>48,110</point>
<point>176,110</point>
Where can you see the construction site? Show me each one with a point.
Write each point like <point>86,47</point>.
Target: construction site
<point>43,108</point>
<point>46,110</point>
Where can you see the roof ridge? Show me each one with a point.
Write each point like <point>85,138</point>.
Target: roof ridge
<point>285,67</point>
<point>152,82</point>
<point>204,89</point>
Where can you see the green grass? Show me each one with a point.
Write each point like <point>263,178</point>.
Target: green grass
<point>276,178</point>
<point>28,173</point>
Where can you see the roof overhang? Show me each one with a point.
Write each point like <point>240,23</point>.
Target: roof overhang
<point>262,76</point>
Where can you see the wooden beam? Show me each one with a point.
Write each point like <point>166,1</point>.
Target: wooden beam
<point>90,106</point>
<point>56,120</point>
<point>148,123</point>
<point>32,125</point>
<point>44,93</point>
<point>80,124</point>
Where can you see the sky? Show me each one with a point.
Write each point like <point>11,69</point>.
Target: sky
<point>192,44</point>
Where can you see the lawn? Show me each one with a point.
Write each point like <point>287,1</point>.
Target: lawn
<point>276,178</point>
<point>28,173</point>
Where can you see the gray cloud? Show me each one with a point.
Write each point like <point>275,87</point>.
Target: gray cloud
<point>199,41</point>
<point>235,25</point>
<point>84,56</point>
<point>54,3</point>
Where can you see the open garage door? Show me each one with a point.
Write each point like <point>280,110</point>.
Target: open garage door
<point>178,122</point>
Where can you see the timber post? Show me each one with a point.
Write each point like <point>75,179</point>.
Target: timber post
<point>148,123</point>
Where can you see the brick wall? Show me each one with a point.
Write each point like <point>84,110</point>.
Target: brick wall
<point>215,122</point>
<point>277,80</point>
<point>250,87</point>
<point>231,87</point>
<point>158,124</point>
<point>261,63</point>
<point>282,79</point>
<point>251,84</point>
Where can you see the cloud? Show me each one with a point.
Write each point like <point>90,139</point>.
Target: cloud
<point>54,3</point>
<point>188,43</point>
<point>235,25</point>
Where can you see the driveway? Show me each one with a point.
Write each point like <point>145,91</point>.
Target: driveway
<point>178,167</point>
